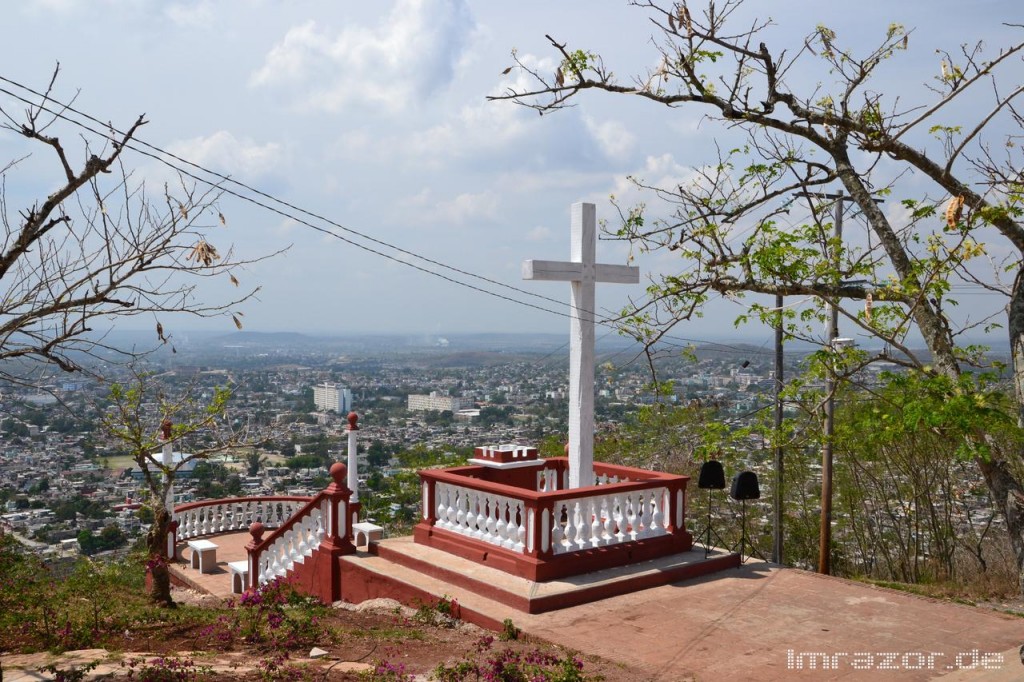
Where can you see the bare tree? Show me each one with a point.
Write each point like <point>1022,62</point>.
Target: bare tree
<point>727,221</point>
<point>99,248</point>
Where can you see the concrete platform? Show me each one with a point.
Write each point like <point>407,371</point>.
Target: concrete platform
<point>230,547</point>
<point>758,621</point>
<point>766,622</point>
<point>536,597</point>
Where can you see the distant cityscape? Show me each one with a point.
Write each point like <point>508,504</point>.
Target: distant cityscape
<point>67,488</point>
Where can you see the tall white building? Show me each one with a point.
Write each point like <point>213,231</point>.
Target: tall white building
<point>334,397</point>
<point>440,403</point>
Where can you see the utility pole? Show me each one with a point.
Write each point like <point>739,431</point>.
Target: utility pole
<point>777,536</point>
<point>825,533</point>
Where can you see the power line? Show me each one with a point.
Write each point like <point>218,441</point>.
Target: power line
<point>156,156</point>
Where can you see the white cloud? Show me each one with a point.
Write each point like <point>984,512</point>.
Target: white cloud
<point>462,209</point>
<point>223,152</point>
<point>614,139</point>
<point>190,15</point>
<point>410,56</point>
<point>661,171</point>
<point>539,233</point>
<point>59,6</point>
<point>484,128</point>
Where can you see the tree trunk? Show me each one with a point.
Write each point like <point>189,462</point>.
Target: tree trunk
<point>1009,497</point>
<point>156,541</point>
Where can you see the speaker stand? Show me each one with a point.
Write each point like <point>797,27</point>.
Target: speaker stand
<point>709,530</point>
<point>743,537</point>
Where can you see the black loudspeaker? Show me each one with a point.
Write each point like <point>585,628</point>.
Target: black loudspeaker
<point>744,486</point>
<point>712,476</point>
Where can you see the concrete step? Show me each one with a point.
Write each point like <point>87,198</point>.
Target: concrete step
<point>434,572</point>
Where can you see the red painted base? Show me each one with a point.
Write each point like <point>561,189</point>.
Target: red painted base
<point>540,569</point>
<point>360,583</point>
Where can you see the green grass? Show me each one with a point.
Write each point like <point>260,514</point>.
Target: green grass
<point>119,462</point>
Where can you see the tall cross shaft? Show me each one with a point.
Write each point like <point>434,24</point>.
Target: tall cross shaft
<point>582,272</point>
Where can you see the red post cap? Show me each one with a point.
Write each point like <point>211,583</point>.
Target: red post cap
<point>339,472</point>
<point>256,531</point>
<point>353,420</point>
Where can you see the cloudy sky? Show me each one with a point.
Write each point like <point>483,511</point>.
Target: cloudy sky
<point>373,114</point>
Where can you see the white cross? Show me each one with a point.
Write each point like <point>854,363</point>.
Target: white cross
<point>582,272</point>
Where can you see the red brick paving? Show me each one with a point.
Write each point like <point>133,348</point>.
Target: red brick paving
<point>758,622</point>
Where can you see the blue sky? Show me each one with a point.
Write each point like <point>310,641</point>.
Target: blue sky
<point>374,115</point>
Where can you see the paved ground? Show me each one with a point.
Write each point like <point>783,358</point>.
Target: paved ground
<point>766,623</point>
<point>230,547</point>
<point>759,622</point>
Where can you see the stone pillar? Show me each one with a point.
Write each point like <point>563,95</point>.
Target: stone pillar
<point>339,529</point>
<point>256,531</point>
<point>353,464</point>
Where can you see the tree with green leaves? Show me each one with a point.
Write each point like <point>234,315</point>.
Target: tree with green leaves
<point>144,419</point>
<point>254,461</point>
<point>950,177</point>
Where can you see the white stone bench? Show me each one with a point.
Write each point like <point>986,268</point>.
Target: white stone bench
<point>366,532</point>
<point>204,555</point>
<point>239,575</point>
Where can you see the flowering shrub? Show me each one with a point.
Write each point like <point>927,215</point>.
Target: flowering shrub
<point>42,607</point>
<point>385,671</point>
<point>445,613</point>
<point>156,562</point>
<point>509,665</point>
<point>275,667</point>
<point>165,669</point>
<point>274,615</point>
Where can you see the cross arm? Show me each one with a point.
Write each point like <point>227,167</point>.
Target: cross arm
<point>617,274</point>
<point>552,270</point>
<point>569,271</point>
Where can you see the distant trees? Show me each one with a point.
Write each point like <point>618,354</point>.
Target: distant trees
<point>213,480</point>
<point>254,461</point>
<point>111,537</point>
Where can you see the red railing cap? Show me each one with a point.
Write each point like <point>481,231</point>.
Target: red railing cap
<point>238,500</point>
<point>339,472</point>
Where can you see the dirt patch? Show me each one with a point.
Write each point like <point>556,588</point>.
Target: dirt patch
<point>362,636</point>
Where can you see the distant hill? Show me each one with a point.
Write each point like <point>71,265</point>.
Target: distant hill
<point>264,339</point>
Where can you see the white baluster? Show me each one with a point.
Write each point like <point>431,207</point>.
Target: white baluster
<point>460,512</point>
<point>657,516</point>
<point>519,518</point>
<point>491,523</point>
<point>510,530</point>
<point>632,518</point>
<point>572,526</point>
<point>472,516</point>
<point>608,534</point>
<point>594,509</point>
<point>302,535</point>
<point>619,515</point>
<point>441,510</point>
<point>557,532</point>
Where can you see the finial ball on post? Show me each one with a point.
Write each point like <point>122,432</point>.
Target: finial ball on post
<point>339,472</point>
